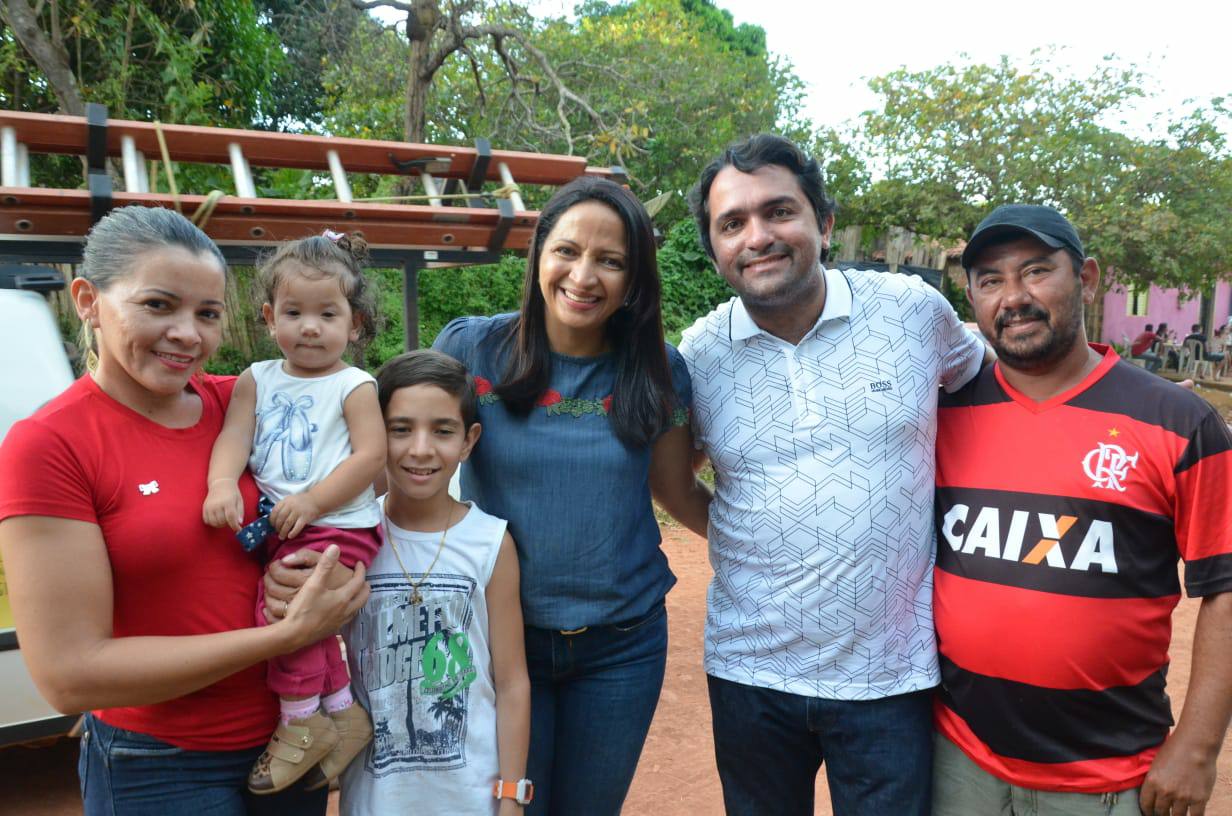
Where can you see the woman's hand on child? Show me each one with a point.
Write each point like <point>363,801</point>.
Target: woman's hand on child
<point>291,515</point>
<point>224,505</point>
<point>285,577</point>
<point>317,610</point>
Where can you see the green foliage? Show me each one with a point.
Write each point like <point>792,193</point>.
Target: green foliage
<point>389,339</point>
<point>977,134</point>
<point>190,63</point>
<point>245,337</point>
<point>846,175</point>
<point>447,293</point>
<point>691,287</point>
<point>23,87</point>
<point>750,39</point>
<point>207,63</point>
<point>956,140</point>
<point>311,32</point>
<point>957,296</point>
<point>672,80</point>
<point>678,79</point>
<point>444,294</point>
<point>365,85</point>
<point>229,359</point>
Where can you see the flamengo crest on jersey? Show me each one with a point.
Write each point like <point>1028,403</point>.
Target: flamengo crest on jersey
<point>1108,465</point>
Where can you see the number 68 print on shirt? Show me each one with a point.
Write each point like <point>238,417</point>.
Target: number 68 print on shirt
<point>416,663</point>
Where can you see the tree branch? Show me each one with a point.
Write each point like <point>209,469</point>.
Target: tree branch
<point>455,40</point>
<point>49,55</point>
<point>470,55</point>
<point>128,42</point>
<point>368,5</point>
<point>511,67</point>
<point>541,58</point>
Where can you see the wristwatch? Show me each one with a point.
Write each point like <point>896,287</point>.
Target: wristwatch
<point>521,791</point>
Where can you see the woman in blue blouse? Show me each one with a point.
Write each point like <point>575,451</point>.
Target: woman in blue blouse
<point>584,411</point>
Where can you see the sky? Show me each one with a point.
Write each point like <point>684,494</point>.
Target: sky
<point>1182,45</point>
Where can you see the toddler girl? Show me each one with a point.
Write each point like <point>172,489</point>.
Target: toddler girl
<point>309,428</point>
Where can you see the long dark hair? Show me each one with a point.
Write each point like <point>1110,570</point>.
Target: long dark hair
<point>643,399</point>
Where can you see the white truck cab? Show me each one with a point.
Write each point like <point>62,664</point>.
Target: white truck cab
<point>33,369</point>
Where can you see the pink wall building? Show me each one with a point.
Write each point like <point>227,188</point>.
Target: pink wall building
<point>1161,305</point>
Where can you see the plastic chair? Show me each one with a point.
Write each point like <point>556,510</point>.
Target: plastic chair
<point>1127,354</point>
<point>1197,362</point>
<point>1182,359</point>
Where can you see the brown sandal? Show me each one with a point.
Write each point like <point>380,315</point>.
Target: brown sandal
<point>295,749</point>
<point>354,732</point>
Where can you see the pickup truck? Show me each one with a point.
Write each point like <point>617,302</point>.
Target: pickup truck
<point>33,368</point>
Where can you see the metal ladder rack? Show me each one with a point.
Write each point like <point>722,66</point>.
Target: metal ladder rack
<point>49,224</point>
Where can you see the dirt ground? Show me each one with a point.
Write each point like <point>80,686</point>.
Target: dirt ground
<point>676,776</point>
<point>1220,399</point>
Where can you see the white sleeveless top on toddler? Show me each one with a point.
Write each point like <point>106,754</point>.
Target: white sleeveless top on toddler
<point>301,436</point>
<point>424,673</point>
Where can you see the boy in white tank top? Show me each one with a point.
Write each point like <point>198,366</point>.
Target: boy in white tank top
<point>437,655</point>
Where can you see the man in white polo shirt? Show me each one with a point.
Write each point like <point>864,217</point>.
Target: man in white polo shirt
<point>815,397</point>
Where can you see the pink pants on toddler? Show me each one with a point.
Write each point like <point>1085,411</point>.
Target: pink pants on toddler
<point>317,668</point>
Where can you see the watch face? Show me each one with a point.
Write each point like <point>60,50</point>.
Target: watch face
<point>526,791</point>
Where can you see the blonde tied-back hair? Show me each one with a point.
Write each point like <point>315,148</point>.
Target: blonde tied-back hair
<point>331,255</point>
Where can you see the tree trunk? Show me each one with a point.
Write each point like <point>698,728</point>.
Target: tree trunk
<point>417,93</point>
<point>422,24</point>
<point>48,55</point>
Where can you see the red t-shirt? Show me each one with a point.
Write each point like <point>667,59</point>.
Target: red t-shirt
<point>1141,343</point>
<point>86,457</point>
<point>1059,526</point>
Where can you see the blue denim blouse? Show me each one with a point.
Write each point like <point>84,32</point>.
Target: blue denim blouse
<point>577,499</point>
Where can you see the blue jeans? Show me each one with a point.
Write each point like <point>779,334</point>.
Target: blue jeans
<point>1153,361</point>
<point>124,773</point>
<point>593,695</point>
<point>770,744</point>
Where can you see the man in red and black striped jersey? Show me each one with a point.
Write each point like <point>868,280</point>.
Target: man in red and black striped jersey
<point>1068,484</point>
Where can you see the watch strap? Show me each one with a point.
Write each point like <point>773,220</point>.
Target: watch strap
<point>522,791</point>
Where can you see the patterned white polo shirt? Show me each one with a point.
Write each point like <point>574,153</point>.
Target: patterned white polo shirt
<point>821,533</point>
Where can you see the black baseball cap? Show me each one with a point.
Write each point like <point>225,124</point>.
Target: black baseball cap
<point>1044,223</point>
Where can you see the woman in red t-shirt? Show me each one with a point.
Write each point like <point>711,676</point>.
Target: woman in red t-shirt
<point>128,605</point>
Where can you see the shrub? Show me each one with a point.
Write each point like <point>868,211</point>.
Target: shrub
<point>691,286</point>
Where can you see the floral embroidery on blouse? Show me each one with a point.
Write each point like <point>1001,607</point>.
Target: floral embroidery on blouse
<point>558,405</point>
<point>483,390</point>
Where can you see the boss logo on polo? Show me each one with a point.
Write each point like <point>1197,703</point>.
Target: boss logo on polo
<point>878,386</point>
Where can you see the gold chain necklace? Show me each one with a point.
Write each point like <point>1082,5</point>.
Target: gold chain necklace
<point>415,597</point>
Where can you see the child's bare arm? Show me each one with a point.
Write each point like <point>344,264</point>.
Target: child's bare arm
<point>509,665</point>
<point>366,427</point>
<point>223,504</point>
